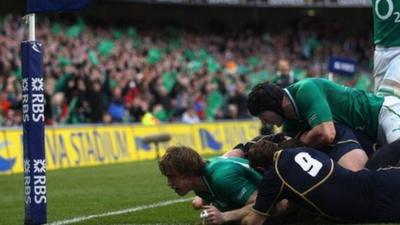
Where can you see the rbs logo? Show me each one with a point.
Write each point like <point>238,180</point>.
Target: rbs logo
<point>37,100</point>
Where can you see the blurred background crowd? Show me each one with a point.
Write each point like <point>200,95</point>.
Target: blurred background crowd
<point>102,73</point>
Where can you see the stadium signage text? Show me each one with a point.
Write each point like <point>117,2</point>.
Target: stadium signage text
<point>80,148</point>
<point>287,2</point>
<point>354,2</point>
<point>37,100</point>
<point>77,146</point>
<point>342,66</point>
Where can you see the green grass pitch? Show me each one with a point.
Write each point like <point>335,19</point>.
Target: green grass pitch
<point>120,194</point>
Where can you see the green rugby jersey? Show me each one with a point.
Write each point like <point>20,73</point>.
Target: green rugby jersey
<point>319,100</point>
<point>386,22</point>
<point>230,182</point>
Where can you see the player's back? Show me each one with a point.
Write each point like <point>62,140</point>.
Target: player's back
<point>386,23</point>
<point>314,181</point>
<point>355,108</point>
<point>230,182</point>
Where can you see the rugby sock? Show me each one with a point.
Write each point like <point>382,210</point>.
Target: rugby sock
<point>388,155</point>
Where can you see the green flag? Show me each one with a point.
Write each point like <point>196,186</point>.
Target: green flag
<point>254,61</point>
<point>194,66</point>
<point>169,80</point>
<point>76,29</point>
<point>212,65</point>
<point>56,28</point>
<point>154,55</point>
<point>105,47</point>
<point>93,57</point>
<point>63,61</point>
<point>242,69</point>
<point>214,101</point>
<point>189,54</point>
<point>202,54</point>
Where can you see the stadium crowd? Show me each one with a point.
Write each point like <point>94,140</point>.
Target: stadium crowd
<point>98,73</point>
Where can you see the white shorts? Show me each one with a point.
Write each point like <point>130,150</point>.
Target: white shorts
<point>389,121</point>
<point>387,71</point>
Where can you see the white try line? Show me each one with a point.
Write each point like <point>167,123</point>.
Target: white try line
<point>119,212</point>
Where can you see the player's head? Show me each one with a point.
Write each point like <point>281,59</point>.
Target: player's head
<point>265,102</point>
<point>276,138</point>
<point>261,154</point>
<point>181,165</point>
<point>284,67</point>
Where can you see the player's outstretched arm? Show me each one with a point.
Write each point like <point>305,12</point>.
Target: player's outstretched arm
<point>214,216</point>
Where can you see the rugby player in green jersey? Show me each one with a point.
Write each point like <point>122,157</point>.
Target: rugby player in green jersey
<point>387,51</point>
<point>310,107</point>
<point>229,184</point>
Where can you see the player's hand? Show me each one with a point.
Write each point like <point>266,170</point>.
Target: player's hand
<point>214,215</point>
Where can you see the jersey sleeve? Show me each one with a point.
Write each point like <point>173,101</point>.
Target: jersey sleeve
<point>313,105</point>
<point>269,192</point>
<point>236,184</point>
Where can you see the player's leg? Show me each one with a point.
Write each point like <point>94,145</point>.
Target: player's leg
<point>346,150</point>
<point>354,160</point>
<point>388,132</point>
<point>386,198</point>
<point>380,66</point>
<point>389,121</point>
<point>388,155</point>
<point>389,84</point>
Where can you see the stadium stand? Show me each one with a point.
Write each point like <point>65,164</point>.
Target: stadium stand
<point>97,73</point>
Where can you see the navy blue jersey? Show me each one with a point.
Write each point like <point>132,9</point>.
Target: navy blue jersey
<point>311,179</point>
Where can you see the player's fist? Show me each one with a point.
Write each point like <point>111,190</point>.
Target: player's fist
<point>214,216</point>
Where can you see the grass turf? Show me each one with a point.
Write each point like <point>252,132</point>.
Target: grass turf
<point>81,192</point>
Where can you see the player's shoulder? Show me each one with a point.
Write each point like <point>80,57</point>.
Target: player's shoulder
<point>315,81</point>
<point>221,163</point>
<point>308,85</point>
<point>290,154</point>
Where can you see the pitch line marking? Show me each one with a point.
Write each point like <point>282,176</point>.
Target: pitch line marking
<point>119,212</point>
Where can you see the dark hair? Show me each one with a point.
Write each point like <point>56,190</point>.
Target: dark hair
<point>276,138</point>
<point>261,153</point>
<point>182,160</point>
<point>265,97</point>
<point>291,143</point>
